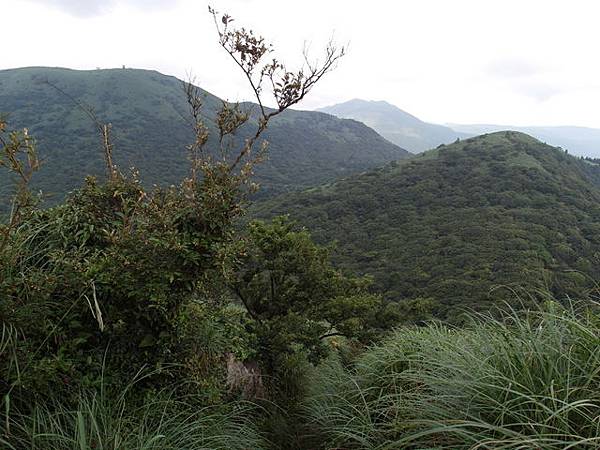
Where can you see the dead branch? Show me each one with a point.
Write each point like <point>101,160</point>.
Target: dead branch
<point>19,156</point>
<point>287,87</point>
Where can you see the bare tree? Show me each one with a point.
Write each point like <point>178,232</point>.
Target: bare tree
<point>251,54</point>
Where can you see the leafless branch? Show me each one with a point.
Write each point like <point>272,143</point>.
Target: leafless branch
<point>287,87</point>
<point>196,149</point>
<point>18,155</point>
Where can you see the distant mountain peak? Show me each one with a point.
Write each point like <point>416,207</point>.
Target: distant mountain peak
<point>396,125</point>
<point>372,104</point>
<point>367,102</point>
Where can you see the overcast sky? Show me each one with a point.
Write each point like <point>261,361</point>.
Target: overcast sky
<point>519,62</point>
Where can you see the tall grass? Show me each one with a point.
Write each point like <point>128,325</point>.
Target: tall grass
<point>109,420</point>
<point>97,423</point>
<point>526,381</point>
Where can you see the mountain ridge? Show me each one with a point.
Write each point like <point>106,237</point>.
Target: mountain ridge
<point>151,129</point>
<point>581,141</point>
<point>416,135</point>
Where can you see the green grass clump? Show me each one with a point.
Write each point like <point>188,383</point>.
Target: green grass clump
<point>101,422</point>
<point>526,381</point>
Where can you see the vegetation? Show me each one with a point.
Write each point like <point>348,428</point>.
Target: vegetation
<point>464,226</point>
<point>137,318</point>
<point>579,141</point>
<point>524,381</point>
<point>100,421</point>
<point>124,286</point>
<point>151,130</point>
<point>296,297</point>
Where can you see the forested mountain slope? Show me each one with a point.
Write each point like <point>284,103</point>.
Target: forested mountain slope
<point>150,122</point>
<point>499,212</point>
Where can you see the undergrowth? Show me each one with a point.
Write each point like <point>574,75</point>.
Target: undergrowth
<point>528,380</point>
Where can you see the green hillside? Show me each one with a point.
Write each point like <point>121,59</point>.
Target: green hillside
<point>461,221</point>
<point>395,125</point>
<point>150,121</point>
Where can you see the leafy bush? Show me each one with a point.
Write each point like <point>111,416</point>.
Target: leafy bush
<point>103,284</point>
<point>297,299</point>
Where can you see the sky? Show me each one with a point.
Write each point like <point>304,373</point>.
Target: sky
<point>525,62</point>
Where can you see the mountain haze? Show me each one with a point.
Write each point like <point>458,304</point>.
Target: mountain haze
<point>464,225</point>
<point>580,141</point>
<point>413,134</point>
<point>151,128</point>
<point>395,125</point>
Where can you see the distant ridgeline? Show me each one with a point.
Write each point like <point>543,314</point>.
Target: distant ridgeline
<point>151,129</point>
<point>415,135</point>
<point>491,218</point>
<point>395,125</point>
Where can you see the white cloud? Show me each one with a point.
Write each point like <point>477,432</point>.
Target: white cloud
<point>89,8</point>
<point>515,68</point>
<point>504,61</point>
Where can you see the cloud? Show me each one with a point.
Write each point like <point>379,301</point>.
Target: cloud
<point>539,91</point>
<point>532,78</point>
<point>455,65</point>
<point>514,68</point>
<point>91,8</point>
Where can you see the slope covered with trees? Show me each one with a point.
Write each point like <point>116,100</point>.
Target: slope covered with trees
<point>464,225</point>
<point>143,318</point>
<point>151,129</point>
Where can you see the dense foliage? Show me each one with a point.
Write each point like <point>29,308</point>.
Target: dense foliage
<point>154,318</point>
<point>119,324</point>
<point>151,131</point>
<point>97,287</point>
<point>465,225</point>
<point>298,299</point>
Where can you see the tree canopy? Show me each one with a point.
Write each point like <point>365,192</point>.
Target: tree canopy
<point>467,225</point>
